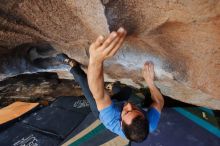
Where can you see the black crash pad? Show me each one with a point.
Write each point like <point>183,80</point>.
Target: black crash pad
<point>24,135</point>
<point>55,120</point>
<point>77,104</point>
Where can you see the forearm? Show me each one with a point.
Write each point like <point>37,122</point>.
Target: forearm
<point>96,79</point>
<point>156,96</point>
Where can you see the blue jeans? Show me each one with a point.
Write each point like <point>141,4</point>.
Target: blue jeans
<point>81,79</point>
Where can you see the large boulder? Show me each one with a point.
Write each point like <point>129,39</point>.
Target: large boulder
<point>181,38</point>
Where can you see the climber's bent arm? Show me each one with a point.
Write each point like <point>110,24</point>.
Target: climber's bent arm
<point>158,101</point>
<point>148,74</point>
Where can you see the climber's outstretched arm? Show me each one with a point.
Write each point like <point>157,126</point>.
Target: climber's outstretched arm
<point>100,50</point>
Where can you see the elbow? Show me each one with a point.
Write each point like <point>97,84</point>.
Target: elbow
<point>161,101</point>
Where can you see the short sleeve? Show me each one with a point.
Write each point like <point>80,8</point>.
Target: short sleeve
<point>111,119</point>
<point>153,117</point>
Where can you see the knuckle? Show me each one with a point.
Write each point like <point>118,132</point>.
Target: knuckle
<point>104,53</point>
<point>107,42</point>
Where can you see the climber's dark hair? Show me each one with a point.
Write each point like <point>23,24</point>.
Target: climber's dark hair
<point>138,130</point>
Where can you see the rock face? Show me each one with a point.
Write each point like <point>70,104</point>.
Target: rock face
<point>40,87</point>
<point>182,39</point>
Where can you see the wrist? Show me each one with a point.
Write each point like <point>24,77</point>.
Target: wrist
<point>150,84</point>
<point>93,62</point>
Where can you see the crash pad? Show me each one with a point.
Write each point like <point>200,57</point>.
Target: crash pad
<point>61,117</point>
<point>24,135</point>
<point>15,110</point>
<point>72,103</point>
<point>92,132</point>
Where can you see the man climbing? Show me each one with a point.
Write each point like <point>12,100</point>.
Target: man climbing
<point>129,121</point>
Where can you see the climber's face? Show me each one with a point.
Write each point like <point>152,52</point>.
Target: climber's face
<point>129,112</point>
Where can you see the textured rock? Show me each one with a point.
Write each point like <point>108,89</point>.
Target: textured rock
<point>41,87</point>
<point>182,38</point>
